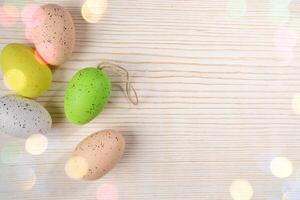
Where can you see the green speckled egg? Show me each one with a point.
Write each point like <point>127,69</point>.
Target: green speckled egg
<point>86,95</point>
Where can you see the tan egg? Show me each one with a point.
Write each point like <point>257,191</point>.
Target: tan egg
<point>98,154</point>
<point>53,33</point>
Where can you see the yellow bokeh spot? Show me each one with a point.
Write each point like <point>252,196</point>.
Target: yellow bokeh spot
<point>76,167</point>
<point>281,167</point>
<point>241,190</point>
<point>29,183</point>
<point>36,144</point>
<point>296,104</point>
<point>15,79</point>
<point>93,10</point>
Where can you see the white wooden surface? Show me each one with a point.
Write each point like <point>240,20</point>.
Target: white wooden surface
<point>215,99</point>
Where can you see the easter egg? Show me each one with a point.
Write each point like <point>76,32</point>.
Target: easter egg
<point>86,95</point>
<point>53,33</point>
<point>23,71</point>
<point>96,155</point>
<point>22,117</point>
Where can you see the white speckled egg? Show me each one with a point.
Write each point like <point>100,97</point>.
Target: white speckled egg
<point>53,33</point>
<point>22,117</point>
<point>101,151</point>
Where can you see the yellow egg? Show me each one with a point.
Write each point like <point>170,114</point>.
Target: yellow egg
<point>23,72</point>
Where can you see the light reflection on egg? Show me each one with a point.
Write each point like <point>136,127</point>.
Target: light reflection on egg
<point>36,144</point>
<point>15,79</point>
<point>76,167</point>
<point>281,167</point>
<point>241,189</point>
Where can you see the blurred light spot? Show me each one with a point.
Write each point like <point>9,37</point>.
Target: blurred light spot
<point>107,192</point>
<point>10,153</point>
<point>237,8</point>
<point>93,10</point>
<point>263,161</point>
<point>36,144</point>
<point>285,37</point>
<point>27,13</point>
<point>9,15</point>
<point>285,41</point>
<point>279,11</point>
<point>281,167</point>
<point>25,177</point>
<point>241,190</point>
<point>15,79</point>
<point>296,104</point>
<point>76,167</point>
<point>291,190</point>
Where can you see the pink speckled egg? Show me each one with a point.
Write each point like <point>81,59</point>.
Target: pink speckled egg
<point>53,33</point>
<point>99,152</point>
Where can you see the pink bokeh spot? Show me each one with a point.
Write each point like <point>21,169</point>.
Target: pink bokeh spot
<point>28,12</point>
<point>9,15</point>
<point>107,192</point>
<point>285,41</point>
<point>285,37</point>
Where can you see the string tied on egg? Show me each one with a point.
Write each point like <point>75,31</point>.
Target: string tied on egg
<point>124,74</point>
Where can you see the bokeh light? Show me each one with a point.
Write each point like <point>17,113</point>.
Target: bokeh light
<point>93,10</point>
<point>236,8</point>
<point>17,178</point>
<point>10,153</point>
<point>9,15</point>
<point>279,10</point>
<point>15,79</point>
<point>296,103</point>
<point>290,190</point>
<point>107,192</point>
<point>241,189</point>
<point>36,144</point>
<point>281,167</point>
<point>27,13</point>
<point>25,177</point>
<point>76,167</point>
<point>285,41</point>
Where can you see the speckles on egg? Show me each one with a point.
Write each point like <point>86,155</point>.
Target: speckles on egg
<point>55,29</point>
<point>22,117</point>
<point>102,150</point>
<point>86,95</point>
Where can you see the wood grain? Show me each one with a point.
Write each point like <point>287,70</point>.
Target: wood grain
<point>215,100</point>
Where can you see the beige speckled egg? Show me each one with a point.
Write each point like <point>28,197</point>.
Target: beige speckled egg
<point>53,33</point>
<point>101,151</point>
